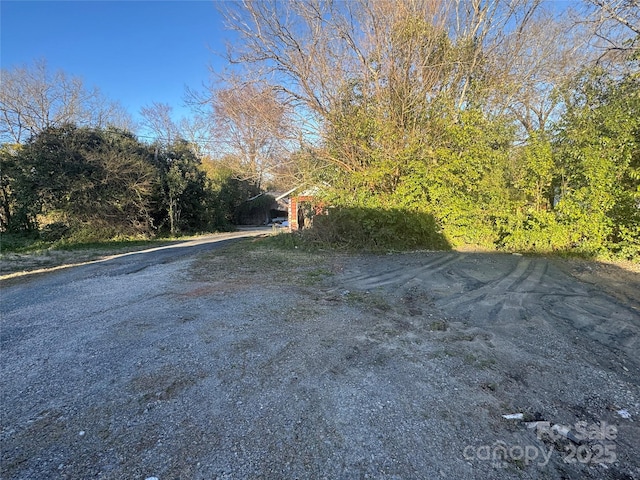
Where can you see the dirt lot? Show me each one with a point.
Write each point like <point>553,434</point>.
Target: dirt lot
<point>254,363</point>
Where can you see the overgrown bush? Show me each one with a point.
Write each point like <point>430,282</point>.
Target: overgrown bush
<point>376,230</point>
<point>535,231</point>
<point>54,231</point>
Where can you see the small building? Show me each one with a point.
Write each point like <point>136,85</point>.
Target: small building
<point>302,207</point>
<point>264,209</point>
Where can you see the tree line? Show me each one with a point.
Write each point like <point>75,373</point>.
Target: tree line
<point>90,184</point>
<point>510,124</point>
<point>513,124</point>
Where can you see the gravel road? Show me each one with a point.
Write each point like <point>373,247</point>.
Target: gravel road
<point>246,362</point>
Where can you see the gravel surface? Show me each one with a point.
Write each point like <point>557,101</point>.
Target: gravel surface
<point>245,362</point>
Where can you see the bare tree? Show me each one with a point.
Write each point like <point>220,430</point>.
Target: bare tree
<point>250,123</point>
<point>101,113</point>
<point>33,98</point>
<point>157,118</point>
<point>290,39</point>
<point>392,60</point>
<point>532,63</point>
<point>196,130</point>
<point>615,24</point>
<point>535,62</point>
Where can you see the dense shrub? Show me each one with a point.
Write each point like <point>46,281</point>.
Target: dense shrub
<point>373,229</point>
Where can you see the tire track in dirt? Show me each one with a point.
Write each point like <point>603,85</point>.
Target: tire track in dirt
<point>509,293</point>
<point>491,294</point>
<point>598,318</point>
<point>401,275</point>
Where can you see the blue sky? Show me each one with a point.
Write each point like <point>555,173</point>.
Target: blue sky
<point>135,52</point>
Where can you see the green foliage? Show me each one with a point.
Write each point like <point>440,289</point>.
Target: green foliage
<point>21,242</point>
<point>598,162</point>
<point>580,190</point>
<point>83,185</point>
<point>232,196</point>
<point>531,173</point>
<point>456,174</point>
<point>19,203</point>
<point>575,189</point>
<point>534,231</point>
<point>285,240</point>
<point>465,186</point>
<point>405,164</point>
<point>184,196</point>
<point>55,231</point>
<point>377,230</point>
<point>83,177</point>
<point>34,242</point>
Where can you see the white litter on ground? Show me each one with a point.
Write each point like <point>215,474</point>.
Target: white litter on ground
<point>514,416</point>
<point>624,413</point>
